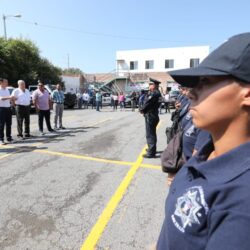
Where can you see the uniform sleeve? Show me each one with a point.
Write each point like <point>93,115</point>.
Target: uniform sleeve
<point>229,230</point>
<point>202,137</point>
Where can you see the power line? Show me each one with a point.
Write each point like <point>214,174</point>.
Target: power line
<point>95,33</point>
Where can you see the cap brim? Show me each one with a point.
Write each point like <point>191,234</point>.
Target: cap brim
<point>190,77</point>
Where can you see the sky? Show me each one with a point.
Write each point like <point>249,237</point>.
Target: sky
<point>91,31</point>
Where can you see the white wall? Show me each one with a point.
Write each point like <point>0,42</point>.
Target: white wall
<point>181,56</point>
<point>72,83</point>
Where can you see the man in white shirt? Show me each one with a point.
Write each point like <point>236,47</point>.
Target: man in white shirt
<point>5,112</point>
<point>22,100</point>
<point>85,98</point>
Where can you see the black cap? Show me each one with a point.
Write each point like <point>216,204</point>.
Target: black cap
<point>232,58</point>
<point>154,81</point>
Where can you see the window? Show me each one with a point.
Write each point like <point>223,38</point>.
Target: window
<point>194,62</point>
<point>169,64</point>
<point>149,64</point>
<point>133,65</point>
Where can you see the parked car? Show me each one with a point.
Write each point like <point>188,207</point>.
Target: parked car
<point>106,98</point>
<point>127,101</point>
<point>12,106</point>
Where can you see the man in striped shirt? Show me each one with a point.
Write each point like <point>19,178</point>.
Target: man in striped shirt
<point>58,105</point>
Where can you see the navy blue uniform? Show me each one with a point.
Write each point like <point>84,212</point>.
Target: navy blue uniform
<point>208,206</point>
<point>150,111</point>
<point>193,138</point>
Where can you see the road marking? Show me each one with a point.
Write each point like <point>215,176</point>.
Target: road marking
<point>107,213</point>
<point>83,157</point>
<point>97,230</point>
<point>150,166</point>
<point>90,158</point>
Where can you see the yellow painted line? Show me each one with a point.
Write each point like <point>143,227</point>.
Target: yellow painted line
<point>90,158</point>
<point>150,166</point>
<point>83,157</point>
<point>6,155</point>
<point>107,213</point>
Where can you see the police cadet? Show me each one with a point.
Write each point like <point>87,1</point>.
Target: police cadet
<point>150,111</point>
<point>208,206</point>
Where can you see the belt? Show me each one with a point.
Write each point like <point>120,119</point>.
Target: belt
<point>22,105</point>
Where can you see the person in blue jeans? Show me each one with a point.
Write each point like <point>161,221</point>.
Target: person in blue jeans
<point>209,200</point>
<point>98,99</point>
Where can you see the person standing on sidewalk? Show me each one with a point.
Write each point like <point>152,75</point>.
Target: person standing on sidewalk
<point>5,111</point>
<point>22,100</point>
<point>58,105</point>
<point>42,102</point>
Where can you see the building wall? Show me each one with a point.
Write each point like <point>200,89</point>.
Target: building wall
<point>71,83</point>
<point>181,57</point>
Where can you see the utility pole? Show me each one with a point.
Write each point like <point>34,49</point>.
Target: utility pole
<point>68,60</point>
<point>4,27</point>
<point>4,23</point>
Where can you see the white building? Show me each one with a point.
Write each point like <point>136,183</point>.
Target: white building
<point>159,60</point>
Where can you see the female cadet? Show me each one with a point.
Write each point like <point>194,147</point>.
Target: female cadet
<point>208,206</point>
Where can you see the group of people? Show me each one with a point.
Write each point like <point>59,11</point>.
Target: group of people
<point>208,201</point>
<point>89,98</point>
<point>21,99</point>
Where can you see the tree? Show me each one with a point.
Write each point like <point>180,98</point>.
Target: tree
<point>72,71</point>
<point>20,59</point>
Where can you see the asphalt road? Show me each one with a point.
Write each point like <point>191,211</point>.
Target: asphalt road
<point>84,187</point>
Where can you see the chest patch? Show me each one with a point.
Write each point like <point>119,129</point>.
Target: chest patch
<point>190,209</point>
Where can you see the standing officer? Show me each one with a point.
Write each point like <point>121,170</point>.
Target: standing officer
<point>150,111</point>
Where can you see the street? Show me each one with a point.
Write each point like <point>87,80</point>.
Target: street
<point>84,187</point>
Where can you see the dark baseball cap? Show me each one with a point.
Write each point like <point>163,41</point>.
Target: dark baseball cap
<point>232,58</point>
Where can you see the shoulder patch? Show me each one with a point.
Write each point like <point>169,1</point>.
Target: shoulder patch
<point>190,209</point>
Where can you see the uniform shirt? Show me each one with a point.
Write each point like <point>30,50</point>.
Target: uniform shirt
<point>185,117</point>
<point>58,96</point>
<point>4,93</point>
<point>23,97</point>
<point>193,139</point>
<point>209,202</point>
<point>189,137</point>
<point>151,103</point>
<point>42,99</point>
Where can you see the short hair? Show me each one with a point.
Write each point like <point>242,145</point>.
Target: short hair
<point>20,81</point>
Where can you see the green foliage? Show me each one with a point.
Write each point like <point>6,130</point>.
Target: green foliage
<point>20,59</point>
<point>72,71</point>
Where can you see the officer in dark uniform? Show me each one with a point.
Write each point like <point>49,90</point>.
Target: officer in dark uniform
<point>150,111</point>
